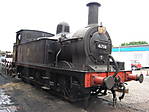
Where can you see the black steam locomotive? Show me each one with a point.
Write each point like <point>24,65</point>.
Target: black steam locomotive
<point>73,67</point>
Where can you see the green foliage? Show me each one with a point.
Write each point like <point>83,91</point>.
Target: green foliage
<point>134,43</point>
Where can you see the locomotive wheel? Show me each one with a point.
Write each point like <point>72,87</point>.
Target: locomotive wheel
<point>23,78</point>
<point>64,64</point>
<point>64,86</point>
<point>71,90</point>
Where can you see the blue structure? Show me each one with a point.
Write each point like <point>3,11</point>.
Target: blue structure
<point>131,48</point>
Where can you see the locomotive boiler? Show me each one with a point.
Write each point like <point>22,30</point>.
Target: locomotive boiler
<point>74,67</point>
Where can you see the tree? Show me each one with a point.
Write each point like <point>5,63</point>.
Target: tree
<point>134,43</point>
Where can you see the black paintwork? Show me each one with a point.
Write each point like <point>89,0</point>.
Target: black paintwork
<point>61,62</point>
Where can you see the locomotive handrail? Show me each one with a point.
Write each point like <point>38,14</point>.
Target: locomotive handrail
<point>116,65</point>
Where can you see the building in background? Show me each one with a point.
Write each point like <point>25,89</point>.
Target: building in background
<point>133,56</point>
<point>5,55</point>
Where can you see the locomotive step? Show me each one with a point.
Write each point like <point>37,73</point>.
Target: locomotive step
<point>45,77</point>
<point>44,87</point>
<point>31,77</point>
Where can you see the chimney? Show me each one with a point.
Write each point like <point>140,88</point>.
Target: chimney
<point>93,12</point>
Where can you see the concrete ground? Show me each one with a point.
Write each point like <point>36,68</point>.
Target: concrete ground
<point>17,96</point>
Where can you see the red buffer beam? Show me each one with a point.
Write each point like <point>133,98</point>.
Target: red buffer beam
<point>99,78</point>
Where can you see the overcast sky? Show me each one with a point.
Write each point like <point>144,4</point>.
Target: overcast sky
<point>125,20</point>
